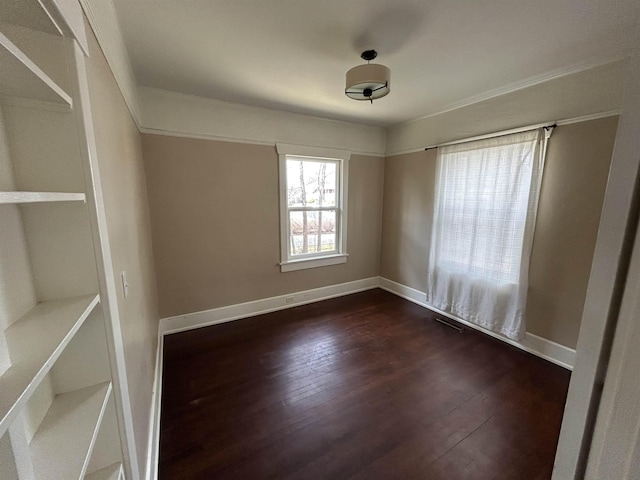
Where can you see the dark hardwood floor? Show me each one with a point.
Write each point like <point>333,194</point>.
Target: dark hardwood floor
<point>365,386</point>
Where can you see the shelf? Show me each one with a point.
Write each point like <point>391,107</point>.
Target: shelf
<point>35,342</point>
<point>112,472</point>
<point>28,13</point>
<point>62,445</point>
<point>40,197</point>
<point>20,77</point>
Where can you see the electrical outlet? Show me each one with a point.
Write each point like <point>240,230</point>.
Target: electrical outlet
<point>288,299</point>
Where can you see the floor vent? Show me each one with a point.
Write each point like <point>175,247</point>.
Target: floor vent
<point>449,324</point>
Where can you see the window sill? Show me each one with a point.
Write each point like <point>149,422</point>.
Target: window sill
<point>305,263</point>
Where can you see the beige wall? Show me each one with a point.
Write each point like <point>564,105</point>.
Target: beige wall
<point>575,178</point>
<point>406,220</point>
<point>125,198</point>
<point>571,200</point>
<point>581,93</point>
<point>215,222</point>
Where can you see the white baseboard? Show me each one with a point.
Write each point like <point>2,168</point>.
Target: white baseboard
<point>226,314</point>
<point>541,347</point>
<point>265,305</point>
<point>153,448</point>
<point>551,351</point>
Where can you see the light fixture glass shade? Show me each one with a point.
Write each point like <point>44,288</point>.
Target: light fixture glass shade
<point>371,79</point>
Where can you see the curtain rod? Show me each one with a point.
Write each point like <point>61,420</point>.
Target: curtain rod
<point>546,126</point>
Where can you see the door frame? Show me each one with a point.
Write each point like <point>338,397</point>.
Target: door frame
<point>597,385</point>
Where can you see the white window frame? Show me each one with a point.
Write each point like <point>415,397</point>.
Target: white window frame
<point>289,263</point>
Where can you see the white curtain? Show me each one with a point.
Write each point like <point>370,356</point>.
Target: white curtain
<point>484,215</point>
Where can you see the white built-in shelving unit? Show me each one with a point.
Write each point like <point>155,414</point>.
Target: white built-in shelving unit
<point>40,197</point>
<point>62,414</point>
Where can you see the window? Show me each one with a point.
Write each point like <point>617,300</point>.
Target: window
<point>484,215</point>
<point>484,199</point>
<point>313,206</point>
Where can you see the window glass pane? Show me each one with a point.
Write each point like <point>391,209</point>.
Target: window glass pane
<point>312,232</point>
<point>327,222</point>
<point>311,183</point>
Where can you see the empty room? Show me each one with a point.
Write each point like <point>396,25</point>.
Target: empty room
<point>319,240</point>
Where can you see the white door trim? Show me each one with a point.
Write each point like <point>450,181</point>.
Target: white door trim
<point>604,294</point>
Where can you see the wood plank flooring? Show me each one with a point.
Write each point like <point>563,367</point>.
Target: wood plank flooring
<point>365,386</point>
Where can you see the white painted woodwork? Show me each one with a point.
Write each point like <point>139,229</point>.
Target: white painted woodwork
<point>20,446</point>
<point>54,17</point>
<point>5,360</point>
<point>112,472</point>
<point>6,168</point>
<point>28,13</point>
<point>40,197</point>
<point>604,311</point>
<point>153,451</point>
<point>617,431</point>
<point>288,263</point>
<point>87,349</point>
<point>104,23</point>
<point>62,445</point>
<point>106,273</point>
<point>57,360</point>
<point>16,281</point>
<point>35,342</point>
<point>21,77</point>
<point>8,470</point>
<point>615,449</point>
<point>46,51</point>
<point>37,407</point>
<point>106,452</point>
<point>215,316</point>
<point>72,17</point>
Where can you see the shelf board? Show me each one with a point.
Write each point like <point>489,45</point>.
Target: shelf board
<point>20,77</point>
<point>40,197</point>
<point>63,443</point>
<point>112,472</point>
<point>35,342</point>
<point>28,13</point>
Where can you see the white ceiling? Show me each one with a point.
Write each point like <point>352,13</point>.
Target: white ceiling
<point>292,55</point>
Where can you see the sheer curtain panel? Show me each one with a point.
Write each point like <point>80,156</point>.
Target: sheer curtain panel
<point>484,215</point>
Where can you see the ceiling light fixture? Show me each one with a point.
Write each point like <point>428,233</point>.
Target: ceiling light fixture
<point>370,81</point>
